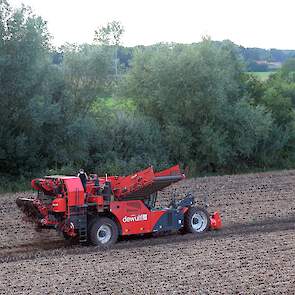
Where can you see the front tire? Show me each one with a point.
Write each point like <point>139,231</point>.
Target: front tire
<point>196,220</point>
<point>103,232</point>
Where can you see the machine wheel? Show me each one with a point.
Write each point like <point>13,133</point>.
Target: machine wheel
<point>103,232</point>
<point>196,220</point>
<point>90,222</point>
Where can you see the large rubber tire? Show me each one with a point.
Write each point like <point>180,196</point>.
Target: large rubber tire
<point>103,232</point>
<point>90,221</point>
<point>196,220</point>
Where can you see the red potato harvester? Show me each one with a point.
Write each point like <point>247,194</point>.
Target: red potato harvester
<point>113,206</point>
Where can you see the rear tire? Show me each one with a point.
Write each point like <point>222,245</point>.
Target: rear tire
<point>103,232</point>
<point>196,220</point>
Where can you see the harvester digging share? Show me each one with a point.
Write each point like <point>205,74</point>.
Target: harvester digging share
<point>113,206</point>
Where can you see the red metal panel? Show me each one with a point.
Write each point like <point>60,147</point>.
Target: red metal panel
<point>134,216</point>
<point>216,222</point>
<point>96,199</point>
<point>59,205</point>
<point>75,191</point>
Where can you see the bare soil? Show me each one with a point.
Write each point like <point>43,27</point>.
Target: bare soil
<point>253,253</point>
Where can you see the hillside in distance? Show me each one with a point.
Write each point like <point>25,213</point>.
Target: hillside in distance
<point>256,59</point>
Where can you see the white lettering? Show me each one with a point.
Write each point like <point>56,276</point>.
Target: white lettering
<point>133,218</point>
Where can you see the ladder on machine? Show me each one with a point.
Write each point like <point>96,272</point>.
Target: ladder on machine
<point>78,216</point>
<point>82,221</point>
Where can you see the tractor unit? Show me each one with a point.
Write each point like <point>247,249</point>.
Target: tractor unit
<point>113,206</point>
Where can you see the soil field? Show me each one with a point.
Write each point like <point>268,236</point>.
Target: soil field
<point>253,253</point>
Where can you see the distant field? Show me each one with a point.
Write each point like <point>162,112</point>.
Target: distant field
<point>262,75</point>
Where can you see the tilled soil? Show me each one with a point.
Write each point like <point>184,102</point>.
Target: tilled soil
<point>252,254</point>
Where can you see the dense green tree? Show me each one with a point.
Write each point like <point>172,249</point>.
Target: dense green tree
<point>254,87</point>
<point>110,35</point>
<point>182,88</point>
<point>127,142</point>
<point>87,71</point>
<point>203,102</point>
<point>289,65</point>
<point>45,119</point>
<point>24,68</point>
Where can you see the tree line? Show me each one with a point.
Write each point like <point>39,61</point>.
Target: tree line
<point>100,107</point>
<point>255,59</point>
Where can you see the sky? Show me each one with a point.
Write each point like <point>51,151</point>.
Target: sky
<point>251,23</point>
